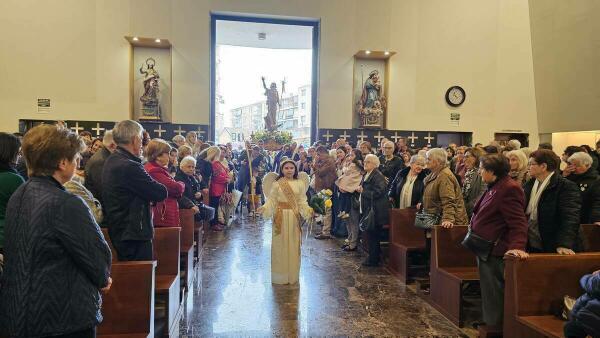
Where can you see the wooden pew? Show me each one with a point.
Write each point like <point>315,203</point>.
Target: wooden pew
<point>166,252</point>
<point>186,220</point>
<point>128,308</point>
<point>590,235</point>
<point>452,267</point>
<point>534,291</point>
<point>405,239</point>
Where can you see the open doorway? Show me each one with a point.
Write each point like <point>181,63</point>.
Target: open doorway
<point>251,56</point>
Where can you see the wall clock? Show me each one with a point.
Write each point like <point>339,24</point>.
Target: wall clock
<point>455,96</point>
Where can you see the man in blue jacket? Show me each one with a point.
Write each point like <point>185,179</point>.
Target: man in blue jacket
<point>128,192</point>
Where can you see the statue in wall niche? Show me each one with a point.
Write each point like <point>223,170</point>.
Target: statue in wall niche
<point>150,108</point>
<point>372,104</point>
<point>272,104</point>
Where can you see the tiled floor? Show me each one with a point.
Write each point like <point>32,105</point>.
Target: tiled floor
<point>234,297</point>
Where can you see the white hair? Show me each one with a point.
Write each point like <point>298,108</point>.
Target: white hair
<point>581,158</point>
<point>186,160</point>
<point>178,138</point>
<point>439,155</point>
<point>125,130</point>
<point>422,152</point>
<point>515,144</point>
<point>417,158</point>
<point>108,139</point>
<point>521,157</point>
<point>373,159</point>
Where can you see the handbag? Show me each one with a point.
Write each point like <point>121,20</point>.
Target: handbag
<point>426,221</point>
<point>480,246</point>
<point>367,222</point>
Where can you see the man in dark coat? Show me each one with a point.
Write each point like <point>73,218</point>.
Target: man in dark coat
<point>582,173</point>
<point>128,191</point>
<point>94,166</point>
<point>553,206</point>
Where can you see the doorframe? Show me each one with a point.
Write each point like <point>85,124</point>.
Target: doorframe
<point>316,33</point>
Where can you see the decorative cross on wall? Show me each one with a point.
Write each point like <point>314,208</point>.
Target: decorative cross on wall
<point>179,131</point>
<point>327,136</point>
<point>429,138</point>
<point>379,137</point>
<point>98,129</point>
<point>412,138</point>
<point>160,131</point>
<point>396,137</point>
<point>77,128</point>
<point>361,137</point>
<point>345,135</point>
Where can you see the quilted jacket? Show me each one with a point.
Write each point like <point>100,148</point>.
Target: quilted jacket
<point>56,260</point>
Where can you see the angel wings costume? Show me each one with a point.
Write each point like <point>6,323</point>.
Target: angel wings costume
<point>287,205</point>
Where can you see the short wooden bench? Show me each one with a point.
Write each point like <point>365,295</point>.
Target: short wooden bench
<point>590,236</point>
<point>405,241</point>
<point>452,268</point>
<point>166,252</point>
<point>535,288</point>
<point>186,220</point>
<point>128,308</point>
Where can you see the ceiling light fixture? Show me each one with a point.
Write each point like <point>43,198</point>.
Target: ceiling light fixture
<point>135,38</point>
<point>386,53</point>
<point>367,52</point>
<point>157,40</point>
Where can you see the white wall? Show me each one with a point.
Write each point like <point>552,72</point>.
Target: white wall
<point>73,52</point>
<point>483,46</point>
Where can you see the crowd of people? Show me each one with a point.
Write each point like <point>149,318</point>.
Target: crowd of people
<point>58,188</point>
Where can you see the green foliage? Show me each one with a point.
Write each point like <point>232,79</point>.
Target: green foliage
<point>280,137</point>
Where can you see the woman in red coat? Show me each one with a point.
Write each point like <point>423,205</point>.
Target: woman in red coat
<point>165,213</point>
<point>218,185</point>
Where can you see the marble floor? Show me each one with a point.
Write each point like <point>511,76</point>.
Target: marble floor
<point>233,295</point>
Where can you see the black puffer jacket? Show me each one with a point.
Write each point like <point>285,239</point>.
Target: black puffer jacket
<point>559,209</point>
<point>375,193</point>
<point>128,191</point>
<point>398,183</point>
<point>589,186</point>
<point>56,261</point>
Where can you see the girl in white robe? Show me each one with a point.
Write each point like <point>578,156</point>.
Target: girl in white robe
<point>287,205</point>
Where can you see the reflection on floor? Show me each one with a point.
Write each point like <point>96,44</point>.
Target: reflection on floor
<point>233,294</point>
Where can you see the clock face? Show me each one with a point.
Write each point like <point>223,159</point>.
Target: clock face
<point>455,96</point>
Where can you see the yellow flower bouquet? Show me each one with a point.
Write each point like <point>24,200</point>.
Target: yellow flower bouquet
<point>321,201</point>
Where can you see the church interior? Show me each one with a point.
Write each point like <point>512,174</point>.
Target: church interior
<point>342,199</point>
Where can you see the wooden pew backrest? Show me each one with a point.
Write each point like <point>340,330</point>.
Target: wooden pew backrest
<point>166,250</point>
<point>449,251</point>
<point>537,285</point>
<point>590,235</point>
<point>128,308</point>
<point>403,230</point>
<point>186,220</point>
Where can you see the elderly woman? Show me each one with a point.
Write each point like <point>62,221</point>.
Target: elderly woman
<point>390,163</point>
<point>365,148</point>
<point>518,166</point>
<point>406,190</point>
<point>586,177</point>
<point>442,195</point>
<point>553,206</point>
<point>218,185</point>
<point>165,213</point>
<point>10,180</point>
<point>57,260</point>
<point>498,217</point>
<point>192,195</point>
<point>473,186</point>
<point>373,195</point>
<point>178,141</point>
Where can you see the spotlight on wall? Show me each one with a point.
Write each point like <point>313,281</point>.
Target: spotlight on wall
<point>157,40</point>
<point>367,52</point>
<point>262,36</point>
<point>386,53</point>
<point>135,38</point>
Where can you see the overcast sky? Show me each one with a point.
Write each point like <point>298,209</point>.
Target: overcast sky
<point>242,67</point>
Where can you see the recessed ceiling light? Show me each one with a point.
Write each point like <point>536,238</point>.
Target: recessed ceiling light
<point>367,52</point>
<point>157,40</point>
<point>135,38</point>
<point>387,53</point>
